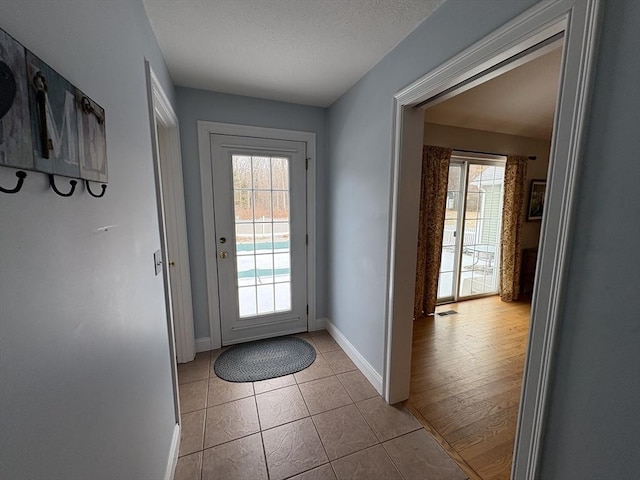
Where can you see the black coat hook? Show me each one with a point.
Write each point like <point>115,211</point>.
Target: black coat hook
<point>73,184</point>
<point>21,176</point>
<point>103,187</point>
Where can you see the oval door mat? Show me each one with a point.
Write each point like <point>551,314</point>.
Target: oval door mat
<point>264,359</point>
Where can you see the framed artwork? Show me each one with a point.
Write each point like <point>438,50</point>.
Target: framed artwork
<point>92,142</point>
<point>54,127</point>
<point>46,123</point>
<point>15,124</point>
<point>536,200</point>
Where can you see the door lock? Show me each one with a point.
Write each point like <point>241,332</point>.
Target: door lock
<point>223,254</point>
<point>223,240</point>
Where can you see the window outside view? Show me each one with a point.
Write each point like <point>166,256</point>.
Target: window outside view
<point>263,256</point>
<point>480,218</point>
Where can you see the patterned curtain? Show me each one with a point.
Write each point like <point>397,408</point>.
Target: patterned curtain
<point>513,212</point>
<point>433,193</point>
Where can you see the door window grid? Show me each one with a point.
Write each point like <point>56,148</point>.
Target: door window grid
<point>263,256</point>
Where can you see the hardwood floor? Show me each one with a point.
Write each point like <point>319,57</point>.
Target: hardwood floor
<point>466,375</point>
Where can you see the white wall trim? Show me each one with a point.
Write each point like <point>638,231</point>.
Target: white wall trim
<point>365,367</point>
<point>172,461</point>
<point>205,130</point>
<point>176,268</point>
<point>579,19</point>
<point>153,85</point>
<point>321,324</point>
<point>203,344</point>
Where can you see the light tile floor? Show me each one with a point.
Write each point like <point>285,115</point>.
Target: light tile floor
<point>326,422</point>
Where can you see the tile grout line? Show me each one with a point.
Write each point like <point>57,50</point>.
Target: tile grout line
<point>366,421</point>
<point>324,449</point>
<point>211,374</point>
<point>261,430</point>
<point>264,450</point>
<point>444,444</point>
<point>392,461</point>
<point>204,433</point>
<point>413,431</point>
<point>350,396</point>
<point>308,470</point>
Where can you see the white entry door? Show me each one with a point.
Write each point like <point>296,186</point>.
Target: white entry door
<point>259,196</point>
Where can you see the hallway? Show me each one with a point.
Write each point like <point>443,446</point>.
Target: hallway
<point>326,422</point>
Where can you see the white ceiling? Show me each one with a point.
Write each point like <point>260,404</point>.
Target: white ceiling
<point>300,51</point>
<point>519,102</point>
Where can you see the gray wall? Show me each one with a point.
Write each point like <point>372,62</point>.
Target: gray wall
<point>360,130</point>
<point>594,419</point>
<point>594,424</point>
<point>85,380</point>
<point>194,105</point>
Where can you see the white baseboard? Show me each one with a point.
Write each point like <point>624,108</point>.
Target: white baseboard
<point>203,344</point>
<point>365,367</point>
<point>172,461</point>
<point>320,324</point>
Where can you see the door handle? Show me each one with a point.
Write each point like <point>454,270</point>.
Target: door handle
<point>223,254</point>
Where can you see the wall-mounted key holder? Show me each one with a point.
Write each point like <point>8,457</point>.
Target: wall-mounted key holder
<point>21,176</point>
<point>97,195</point>
<point>46,123</point>
<point>52,183</point>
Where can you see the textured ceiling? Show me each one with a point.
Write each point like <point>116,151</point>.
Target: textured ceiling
<point>519,102</point>
<point>300,51</point>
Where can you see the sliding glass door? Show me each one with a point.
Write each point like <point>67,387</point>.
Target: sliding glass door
<point>469,265</point>
<point>449,259</point>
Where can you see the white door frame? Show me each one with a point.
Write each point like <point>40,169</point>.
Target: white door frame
<point>579,20</point>
<point>205,130</point>
<point>169,166</point>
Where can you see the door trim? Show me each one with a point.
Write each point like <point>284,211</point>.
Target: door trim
<point>152,81</point>
<point>175,219</point>
<point>205,130</point>
<point>579,20</point>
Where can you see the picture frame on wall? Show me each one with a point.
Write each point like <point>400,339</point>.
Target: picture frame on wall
<point>47,124</point>
<point>15,122</point>
<point>536,200</point>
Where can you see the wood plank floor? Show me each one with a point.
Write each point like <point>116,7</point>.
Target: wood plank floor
<point>466,374</point>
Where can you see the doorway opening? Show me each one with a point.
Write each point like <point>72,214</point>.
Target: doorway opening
<point>467,368</point>
<point>165,136</point>
<point>259,193</point>
<point>258,198</point>
<point>578,22</point>
<point>173,261</point>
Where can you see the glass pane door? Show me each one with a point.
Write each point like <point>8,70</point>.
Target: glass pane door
<point>259,196</point>
<point>448,260</point>
<point>469,261</point>
<point>481,231</point>
<point>261,211</point>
